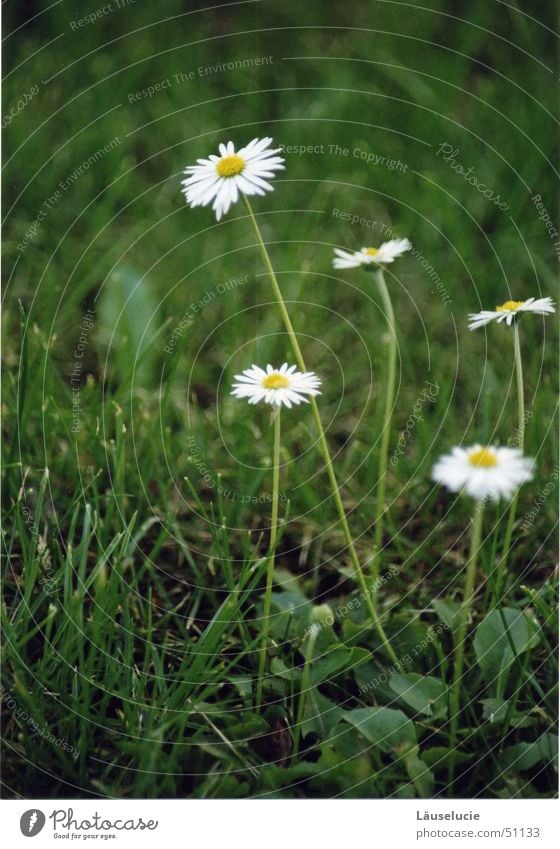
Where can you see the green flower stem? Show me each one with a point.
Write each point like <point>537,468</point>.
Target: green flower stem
<point>386,434</point>
<point>502,565</point>
<point>271,556</point>
<point>368,594</point>
<point>309,649</point>
<point>463,617</point>
<point>520,387</point>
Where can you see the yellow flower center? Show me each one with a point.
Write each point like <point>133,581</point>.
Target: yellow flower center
<point>372,251</point>
<point>230,166</point>
<point>275,381</point>
<point>510,306</point>
<point>484,457</point>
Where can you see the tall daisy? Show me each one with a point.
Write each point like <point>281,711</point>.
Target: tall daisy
<point>220,180</point>
<point>510,312</point>
<point>483,473</point>
<point>279,387</point>
<point>373,259</point>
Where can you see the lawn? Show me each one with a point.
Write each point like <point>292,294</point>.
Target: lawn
<point>137,491</point>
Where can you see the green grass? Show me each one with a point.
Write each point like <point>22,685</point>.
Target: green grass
<point>133,584</point>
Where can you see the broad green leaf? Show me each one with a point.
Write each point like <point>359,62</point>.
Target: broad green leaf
<point>438,758</point>
<point>423,693</point>
<point>493,643</point>
<point>405,791</point>
<point>288,582</point>
<point>384,727</point>
<point>420,774</point>
<point>127,308</point>
<point>369,677</point>
<point>447,611</point>
<point>293,603</point>
<point>348,742</point>
<point>411,639</point>
<point>279,668</point>
<point>293,617</point>
<point>524,720</point>
<point>494,710</point>
<point>320,715</point>
<point>336,661</point>
<point>242,684</point>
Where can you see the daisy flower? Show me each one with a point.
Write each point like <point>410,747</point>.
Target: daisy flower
<point>483,472</point>
<point>223,178</point>
<point>283,386</point>
<point>509,311</point>
<point>388,252</point>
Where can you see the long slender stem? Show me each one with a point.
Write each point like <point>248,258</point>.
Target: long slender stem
<point>367,592</point>
<point>464,611</point>
<point>386,433</point>
<point>520,443</point>
<point>520,388</point>
<point>271,556</point>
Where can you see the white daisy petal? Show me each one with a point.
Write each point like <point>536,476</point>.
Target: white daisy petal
<point>387,253</point>
<point>509,311</point>
<point>248,187</point>
<point>541,306</point>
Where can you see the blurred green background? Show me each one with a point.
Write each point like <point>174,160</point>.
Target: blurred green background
<point>92,176</point>
<point>377,79</point>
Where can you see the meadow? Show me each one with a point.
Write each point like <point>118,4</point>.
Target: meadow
<point>139,495</point>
